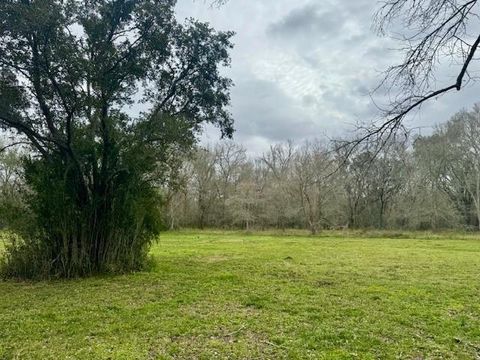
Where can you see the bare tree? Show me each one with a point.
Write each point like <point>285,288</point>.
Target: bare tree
<point>310,170</point>
<point>204,178</point>
<point>460,159</point>
<point>230,157</point>
<point>425,200</point>
<point>244,200</point>
<point>279,189</point>
<point>433,31</point>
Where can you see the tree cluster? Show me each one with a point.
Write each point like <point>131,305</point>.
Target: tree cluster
<point>431,182</point>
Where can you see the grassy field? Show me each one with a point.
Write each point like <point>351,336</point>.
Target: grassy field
<point>238,296</point>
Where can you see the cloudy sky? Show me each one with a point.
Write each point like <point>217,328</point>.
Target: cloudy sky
<point>304,69</point>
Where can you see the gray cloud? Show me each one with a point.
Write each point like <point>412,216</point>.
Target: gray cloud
<point>262,109</point>
<point>312,22</point>
<point>305,68</point>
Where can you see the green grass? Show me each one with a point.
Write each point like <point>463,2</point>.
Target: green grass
<point>238,296</point>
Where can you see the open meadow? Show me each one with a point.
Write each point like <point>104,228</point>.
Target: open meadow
<point>214,295</point>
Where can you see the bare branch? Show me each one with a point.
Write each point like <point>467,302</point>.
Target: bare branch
<point>433,31</point>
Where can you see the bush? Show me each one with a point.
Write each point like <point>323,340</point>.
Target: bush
<point>23,259</point>
<point>79,232</point>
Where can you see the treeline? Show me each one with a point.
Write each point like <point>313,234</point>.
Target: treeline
<point>430,182</point>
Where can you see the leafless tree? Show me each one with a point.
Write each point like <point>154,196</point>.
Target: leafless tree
<point>230,157</point>
<point>310,170</point>
<point>204,178</point>
<point>432,32</point>
<point>459,162</point>
<point>280,189</point>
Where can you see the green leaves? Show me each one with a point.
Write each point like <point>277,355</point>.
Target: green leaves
<point>71,72</point>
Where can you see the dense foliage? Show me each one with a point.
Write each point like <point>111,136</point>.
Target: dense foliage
<point>107,94</point>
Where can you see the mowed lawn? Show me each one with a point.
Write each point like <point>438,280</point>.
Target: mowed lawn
<point>245,296</point>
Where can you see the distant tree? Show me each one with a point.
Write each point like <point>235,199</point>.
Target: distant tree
<point>71,75</point>
<point>386,178</point>
<point>230,161</point>
<point>372,177</point>
<point>421,203</point>
<point>174,194</point>
<point>311,166</point>
<point>243,202</point>
<point>204,184</point>
<point>453,151</point>
<point>13,192</point>
<point>281,208</point>
<point>353,176</point>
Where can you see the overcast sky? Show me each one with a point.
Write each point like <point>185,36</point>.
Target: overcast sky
<point>303,69</point>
